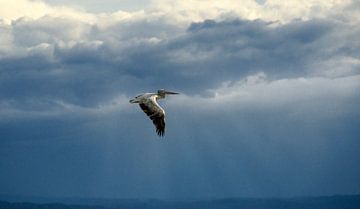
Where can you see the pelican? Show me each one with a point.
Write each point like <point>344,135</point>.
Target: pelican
<point>148,103</point>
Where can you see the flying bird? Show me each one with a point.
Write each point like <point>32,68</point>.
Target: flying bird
<point>148,103</point>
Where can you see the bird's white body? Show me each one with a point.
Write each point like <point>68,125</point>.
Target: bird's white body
<point>150,100</point>
<point>148,103</point>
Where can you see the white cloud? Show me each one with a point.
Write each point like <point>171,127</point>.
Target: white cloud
<point>271,10</point>
<point>13,10</point>
<point>102,6</point>
<point>297,9</point>
<point>176,11</point>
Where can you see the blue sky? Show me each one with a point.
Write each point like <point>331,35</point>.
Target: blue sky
<point>269,104</point>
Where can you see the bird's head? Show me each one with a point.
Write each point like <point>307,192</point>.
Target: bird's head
<point>162,93</point>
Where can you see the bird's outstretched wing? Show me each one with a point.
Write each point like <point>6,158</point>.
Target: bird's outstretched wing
<point>156,114</point>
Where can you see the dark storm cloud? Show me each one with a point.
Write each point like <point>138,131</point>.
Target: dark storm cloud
<point>263,110</point>
<point>92,64</point>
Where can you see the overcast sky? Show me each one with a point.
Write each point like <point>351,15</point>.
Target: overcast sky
<point>269,103</point>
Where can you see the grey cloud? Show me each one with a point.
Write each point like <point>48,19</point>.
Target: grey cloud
<point>98,62</point>
<point>28,32</point>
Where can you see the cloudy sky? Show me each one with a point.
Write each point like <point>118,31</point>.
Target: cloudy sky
<point>269,104</point>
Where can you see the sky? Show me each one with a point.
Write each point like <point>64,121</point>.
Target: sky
<point>269,103</point>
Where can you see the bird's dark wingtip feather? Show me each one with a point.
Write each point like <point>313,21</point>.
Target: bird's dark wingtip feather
<point>160,132</point>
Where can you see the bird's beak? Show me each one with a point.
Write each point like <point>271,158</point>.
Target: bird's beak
<point>132,101</point>
<point>170,92</point>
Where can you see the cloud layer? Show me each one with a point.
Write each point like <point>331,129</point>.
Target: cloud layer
<point>265,89</point>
